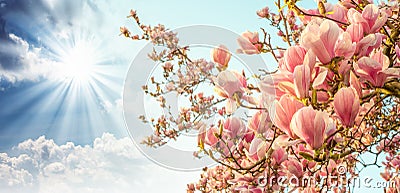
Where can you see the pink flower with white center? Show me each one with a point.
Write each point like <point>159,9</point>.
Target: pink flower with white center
<point>375,69</point>
<point>324,39</point>
<point>283,112</point>
<point>312,126</point>
<point>221,56</point>
<point>347,105</point>
<point>228,84</point>
<point>249,43</point>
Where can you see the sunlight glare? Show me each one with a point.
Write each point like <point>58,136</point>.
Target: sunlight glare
<point>79,62</point>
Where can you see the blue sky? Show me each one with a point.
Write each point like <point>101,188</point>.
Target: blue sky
<point>61,121</point>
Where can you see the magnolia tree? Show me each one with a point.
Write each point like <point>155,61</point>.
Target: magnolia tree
<point>334,97</point>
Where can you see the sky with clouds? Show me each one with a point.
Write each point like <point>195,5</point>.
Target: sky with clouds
<point>62,130</point>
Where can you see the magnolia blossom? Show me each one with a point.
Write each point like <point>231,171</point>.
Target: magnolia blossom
<point>371,19</point>
<point>278,84</point>
<point>279,155</point>
<point>326,40</point>
<point>283,112</point>
<point>221,56</point>
<point>234,127</point>
<point>302,77</point>
<point>347,105</point>
<point>228,85</point>
<point>311,126</point>
<point>257,150</point>
<point>293,57</point>
<point>367,44</point>
<point>260,122</point>
<point>208,136</point>
<point>249,43</point>
<point>263,13</point>
<point>375,69</point>
<point>293,167</point>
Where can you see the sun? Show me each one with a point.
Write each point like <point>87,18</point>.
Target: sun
<point>78,63</point>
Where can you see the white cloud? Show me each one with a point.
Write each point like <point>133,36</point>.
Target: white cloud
<point>33,36</point>
<point>21,61</point>
<point>108,165</point>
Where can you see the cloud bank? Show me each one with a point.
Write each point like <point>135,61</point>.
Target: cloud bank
<point>108,165</point>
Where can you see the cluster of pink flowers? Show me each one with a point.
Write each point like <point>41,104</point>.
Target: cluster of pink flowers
<point>334,96</point>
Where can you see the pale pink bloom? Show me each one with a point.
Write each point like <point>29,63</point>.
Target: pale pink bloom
<point>284,141</point>
<point>168,66</point>
<point>263,13</point>
<point>386,175</point>
<point>257,150</point>
<point>336,12</point>
<point>210,138</point>
<point>283,111</point>
<point>311,126</point>
<point>321,75</point>
<point>355,16</point>
<point>374,17</point>
<point>355,31</point>
<point>249,43</point>
<point>355,83</point>
<point>321,82</point>
<point>229,83</point>
<point>260,122</point>
<point>366,45</point>
<point>324,39</point>
<point>347,105</point>
<point>306,19</point>
<point>293,57</point>
<point>221,56</point>
<point>234,127</point>
<point>309,190</point>
<point>395,163</point>
<point>349,3</point>
<point>293,167</point>
<point>279,155</point>
<point>278,84</point>
<point>302,78</point>
<point>344,46</point>
<point>375,69</point>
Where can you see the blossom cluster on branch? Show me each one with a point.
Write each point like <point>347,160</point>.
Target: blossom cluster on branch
<point>334,98</point>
